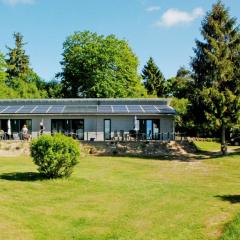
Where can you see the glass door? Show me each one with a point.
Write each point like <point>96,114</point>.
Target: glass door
<point>149,125</point>
<point>107,129</point>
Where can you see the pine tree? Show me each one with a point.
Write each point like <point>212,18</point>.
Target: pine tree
<point>154,80</point>
<point>216,95</point>
<point>17,61</point>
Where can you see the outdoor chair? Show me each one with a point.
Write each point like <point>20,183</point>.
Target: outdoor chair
<point>16,136</point>
<point>132,135</point>
<point>2,135</point>
<point>122,135</point>
<point>115,135</point>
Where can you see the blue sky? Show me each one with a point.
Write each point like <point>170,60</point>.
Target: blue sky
<point>165,30</point>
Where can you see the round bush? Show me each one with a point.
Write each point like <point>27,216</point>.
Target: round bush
<point>55,155</point>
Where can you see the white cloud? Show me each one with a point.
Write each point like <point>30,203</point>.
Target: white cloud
<point>16,2</point>
<point>153,8</point>
<point>173,17</point>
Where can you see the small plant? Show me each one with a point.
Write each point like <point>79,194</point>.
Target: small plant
<point>55,155</point>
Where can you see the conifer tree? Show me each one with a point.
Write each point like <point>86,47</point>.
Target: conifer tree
<point>17,61</point>
<point>216,88</point>
<point>154,80</point>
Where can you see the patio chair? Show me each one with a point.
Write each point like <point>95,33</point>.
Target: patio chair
<point>115,135</point>
<point>121,135</point>
<point>16,136</point>
<point>2,135</point>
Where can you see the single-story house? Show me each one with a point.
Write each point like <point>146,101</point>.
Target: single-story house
<point>95,119</point>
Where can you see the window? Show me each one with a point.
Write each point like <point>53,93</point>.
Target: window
<point>107,129</point>
<point>17,125</point>
<point>73,127</point>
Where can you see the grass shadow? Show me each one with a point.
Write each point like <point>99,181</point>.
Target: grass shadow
<point>230,198</point>
<point>22,176</point>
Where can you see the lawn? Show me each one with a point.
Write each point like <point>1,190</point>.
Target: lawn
<point>212,146</point>
<point>120,198</point>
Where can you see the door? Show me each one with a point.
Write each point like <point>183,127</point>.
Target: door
<point>149,126</point>
<point>107,129</point>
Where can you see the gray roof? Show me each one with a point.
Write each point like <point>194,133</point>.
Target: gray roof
<point>99,106</point>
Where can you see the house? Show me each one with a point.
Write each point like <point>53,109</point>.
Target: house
<point>95,119</point>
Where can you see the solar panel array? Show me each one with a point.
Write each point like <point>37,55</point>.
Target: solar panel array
<point>74,109</point>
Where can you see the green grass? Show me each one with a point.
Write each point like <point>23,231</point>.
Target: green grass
<point>212,146</point>
<point>116,198</point>
<point>232,230</point>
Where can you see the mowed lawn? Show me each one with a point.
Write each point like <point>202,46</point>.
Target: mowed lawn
<point>120,198</point>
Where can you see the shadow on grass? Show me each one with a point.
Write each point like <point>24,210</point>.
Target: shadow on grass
<point>198,156</point>
<point>22,176</point>
<point>230,198</point>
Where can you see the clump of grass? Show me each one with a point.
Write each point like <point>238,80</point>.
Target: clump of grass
<point>232,230</point>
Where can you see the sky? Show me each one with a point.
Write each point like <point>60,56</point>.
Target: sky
<point>164,30</point>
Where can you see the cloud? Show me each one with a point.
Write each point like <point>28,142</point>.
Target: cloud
<point>153,8</point>
<point>173,17</point>
<point>18,2</point>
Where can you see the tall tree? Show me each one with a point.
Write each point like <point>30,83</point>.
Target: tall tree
<point>216,86</point>
<point>153,78</point>
<point>17,61</point>
<point>98,66</point>
<point>3,66</point>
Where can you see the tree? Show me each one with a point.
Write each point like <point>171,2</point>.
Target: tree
<point>216,84</point>
<point>154,80</point>
<point>179,86</point>
<point>17,61</point>
<point>98,66</point>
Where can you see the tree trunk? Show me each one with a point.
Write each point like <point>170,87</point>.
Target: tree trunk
<point>223,140</point>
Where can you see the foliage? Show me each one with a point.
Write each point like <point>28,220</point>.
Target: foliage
<point>98,66</point>
<point>17,61</point>
<point>183,123</point>
<point>153,78</point>
<point>53,89</point>
<point>216,87</point>
<point>55,155</point>
<point>179,86</point>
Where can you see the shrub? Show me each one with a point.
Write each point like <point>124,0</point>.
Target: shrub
<point>55,155</point>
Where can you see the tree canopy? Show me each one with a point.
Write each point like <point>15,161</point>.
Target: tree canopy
<point>98,66</point>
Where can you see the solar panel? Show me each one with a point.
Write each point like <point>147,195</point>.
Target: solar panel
<point>2,108</point>
<point>120,108</point>
<point>11,109</point>
<point>56,109</point>
<point>134,109</point>
<point>166,109</point>
<point>41,109</point>
<point>80,109</point>
<point>149,109</point>
<point>26,109</point>
<point>104,109</point>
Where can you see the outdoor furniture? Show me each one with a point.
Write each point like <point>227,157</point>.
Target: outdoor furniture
<point>132,135</point>
<point>121,135</point>
<point>16,136</point>
<point>115,135</point>
<point>2,135</point>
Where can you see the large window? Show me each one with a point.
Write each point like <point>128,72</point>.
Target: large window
<point>17,125</point>
<point>73,127</point>
<point>150,128</point>
<point>107,129</point>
